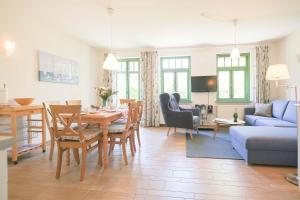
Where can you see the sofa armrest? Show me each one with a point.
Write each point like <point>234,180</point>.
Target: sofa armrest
<point>180,119</point>
<point>249,111</point>
<point>195,111</point>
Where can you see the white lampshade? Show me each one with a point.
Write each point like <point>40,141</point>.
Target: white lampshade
<point>277,72</point>
<point>235,53</point>
<point>9,47</point>
<point>110,63</point>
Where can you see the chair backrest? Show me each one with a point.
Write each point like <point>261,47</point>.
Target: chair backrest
<point>66,116</point>
<point>73,102</point>
<point>132,116</point>
<point>49,116</point>
<point>126,101</point>
<point>140,107</point>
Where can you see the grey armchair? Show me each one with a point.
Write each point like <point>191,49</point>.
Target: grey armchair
<point>176,116</point>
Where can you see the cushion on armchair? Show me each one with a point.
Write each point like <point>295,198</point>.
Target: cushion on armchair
<point>173,105</point>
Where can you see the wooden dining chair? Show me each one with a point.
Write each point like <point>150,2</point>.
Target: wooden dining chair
<point>70,138</point>
<point>119,133</point>
<point>49,122</point>
<point>139,113</point>
<point>126,101</point>
<point>73,102</point>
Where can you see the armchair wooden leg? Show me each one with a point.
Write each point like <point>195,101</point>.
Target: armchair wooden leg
<point>197,131</point>
<point>168,131</point>
<point>191,133</point>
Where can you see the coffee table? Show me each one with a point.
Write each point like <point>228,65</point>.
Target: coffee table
<point>226,123</point>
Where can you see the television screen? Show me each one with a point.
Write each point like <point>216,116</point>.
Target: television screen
<point>204,83</point>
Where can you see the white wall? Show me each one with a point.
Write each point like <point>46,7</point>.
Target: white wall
<point>286,51</point>
<point>20,71</point>
<point>203,62</point>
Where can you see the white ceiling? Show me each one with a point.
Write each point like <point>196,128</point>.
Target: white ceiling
<point>162,23</point>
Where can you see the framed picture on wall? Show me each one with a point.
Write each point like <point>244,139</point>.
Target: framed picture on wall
<point>57,69</point>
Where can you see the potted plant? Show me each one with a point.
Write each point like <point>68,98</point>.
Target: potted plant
<point>104,93</point>
<point>235,115</point>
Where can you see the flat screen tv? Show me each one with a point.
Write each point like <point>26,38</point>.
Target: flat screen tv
<point>204,83</point>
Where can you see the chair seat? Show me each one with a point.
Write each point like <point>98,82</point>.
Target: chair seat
<point>88,133</point>
<point>121,121</point>
<point>117,128</point>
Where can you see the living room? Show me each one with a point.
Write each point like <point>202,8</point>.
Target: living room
<point>231,133</point>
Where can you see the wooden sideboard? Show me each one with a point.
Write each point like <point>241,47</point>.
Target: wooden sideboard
<point>16,111</point>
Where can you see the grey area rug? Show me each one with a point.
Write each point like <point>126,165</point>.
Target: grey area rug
<point>205,145</point>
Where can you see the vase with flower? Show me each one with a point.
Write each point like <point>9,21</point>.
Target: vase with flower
<point>104,93</point>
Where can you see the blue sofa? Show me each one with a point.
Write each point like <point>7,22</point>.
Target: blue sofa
<point>268,140</point>
<point>284,114</point>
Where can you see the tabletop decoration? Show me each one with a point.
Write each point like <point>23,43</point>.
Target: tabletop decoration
<point>105,93</point>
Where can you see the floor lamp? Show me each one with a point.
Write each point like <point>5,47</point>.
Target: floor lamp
<point>276,73</point>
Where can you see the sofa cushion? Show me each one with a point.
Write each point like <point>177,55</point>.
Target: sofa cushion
<point>262,109</point>
<point>265,138</point>
<point>251,119</point>
<point>278,108</point>
<point>274,122</point>
<point>290,113</point>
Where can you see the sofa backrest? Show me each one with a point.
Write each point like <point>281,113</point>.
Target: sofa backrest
<point>290,113</point>
<point>278,108</point>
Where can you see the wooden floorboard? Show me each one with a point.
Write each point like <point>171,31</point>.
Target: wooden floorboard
<point>159,170</point>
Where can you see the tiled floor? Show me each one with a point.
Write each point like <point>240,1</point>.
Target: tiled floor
<point>159,170</point>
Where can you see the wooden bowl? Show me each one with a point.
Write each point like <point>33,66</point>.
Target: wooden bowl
<point>24,101</point>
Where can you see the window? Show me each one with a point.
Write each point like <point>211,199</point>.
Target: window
<point>128,79</point>
<point>176,76</point>
<point>233,78</point>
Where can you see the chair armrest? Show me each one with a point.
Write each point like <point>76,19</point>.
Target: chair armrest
<point>249,111</point>
<point>195,111</point>
<point>180,119</point>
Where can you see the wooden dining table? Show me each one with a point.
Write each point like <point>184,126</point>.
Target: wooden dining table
<point>104,119</point>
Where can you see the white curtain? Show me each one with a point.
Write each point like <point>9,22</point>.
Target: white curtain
<point>150,88</point>
<point>262,64</point>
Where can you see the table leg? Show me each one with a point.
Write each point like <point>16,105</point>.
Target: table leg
<point>14,134</point>
<point>44,130</point>
<point>105,145</point>
<point>216,129</point>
